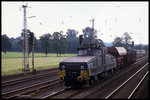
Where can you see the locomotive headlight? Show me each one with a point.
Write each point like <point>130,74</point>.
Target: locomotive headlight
<point>82,67</point>
<point>63,67</point>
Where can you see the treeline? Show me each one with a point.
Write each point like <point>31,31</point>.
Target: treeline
<point>126,41</point>
<point>47,43</point>
<point>59,43</point>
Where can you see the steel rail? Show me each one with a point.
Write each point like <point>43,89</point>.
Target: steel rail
<point>6,83</point>
<point>33,90</point>
<point>58,92</point>
<point>137,85</point>
<point>26,88</point>
<point>53,93</point>
<point>125,82</point>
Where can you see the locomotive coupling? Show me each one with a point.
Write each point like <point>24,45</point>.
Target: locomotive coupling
<point>80,78</point>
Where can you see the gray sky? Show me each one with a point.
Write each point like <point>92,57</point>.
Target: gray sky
<point>111,18</point>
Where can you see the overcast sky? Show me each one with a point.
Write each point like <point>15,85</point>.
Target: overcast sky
<point>111,18</point>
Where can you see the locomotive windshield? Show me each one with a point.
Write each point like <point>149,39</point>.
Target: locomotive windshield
<point>88,52</point>
<point>82,52</point>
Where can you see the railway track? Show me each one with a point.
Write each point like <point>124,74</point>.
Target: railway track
<point>30,89</point>
<point>54,93</point>
<point>20,76</point>
<point>24,85</point>
<point>128,88</point>
<point>71,93</point>
<point>104,89</point>
<point>21,80</point>
<point>47,89</point>
<point>27,83</point>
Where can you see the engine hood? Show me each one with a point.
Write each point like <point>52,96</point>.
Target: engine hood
<point>79,59</point>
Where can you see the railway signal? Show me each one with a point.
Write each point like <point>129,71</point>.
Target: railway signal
<point>31,38</point>
<point>32,43</point>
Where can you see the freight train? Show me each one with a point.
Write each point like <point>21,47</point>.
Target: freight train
<point>94,61</point>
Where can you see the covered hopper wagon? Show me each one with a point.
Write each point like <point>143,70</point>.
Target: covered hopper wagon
<point>119,53</point>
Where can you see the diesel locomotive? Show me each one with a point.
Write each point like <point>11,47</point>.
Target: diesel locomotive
<point>94,61</point>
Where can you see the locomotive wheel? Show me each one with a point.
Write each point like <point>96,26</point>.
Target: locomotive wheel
<point>99,77</point>
<point>96,78</point>
<point>114,70</point>
<point>109,73</point>
<point>117,69</point>
<point>92,80</point>
<point>106,74</point>
<point>88,83</point>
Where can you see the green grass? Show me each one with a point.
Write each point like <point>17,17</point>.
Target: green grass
<point>12,62</point>
<point>139,53</point>
<point>19,55</point>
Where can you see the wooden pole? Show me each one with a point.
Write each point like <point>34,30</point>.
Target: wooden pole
<point>33,70</point>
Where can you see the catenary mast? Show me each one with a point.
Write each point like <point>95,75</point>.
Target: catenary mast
<point>25,41</point>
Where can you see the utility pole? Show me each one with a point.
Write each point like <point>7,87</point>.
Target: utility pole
<point>25,41</point>
<point>93,23</point>
<point>32,44</point>
<point>94,32</point>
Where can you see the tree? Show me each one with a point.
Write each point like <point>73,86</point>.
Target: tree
<point>14,44</point>
<point>38,46</point>
<point>63,45</point>
<point>118,41</point>
<point>127,40</point>
<point>5,43</point>
<point>123,41</point>
<point>146,48</point>
<point>59,43</point>
<point>29,41</point>
<point>73,41</point>
<point>45,43</point>
<point>71,33</point>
